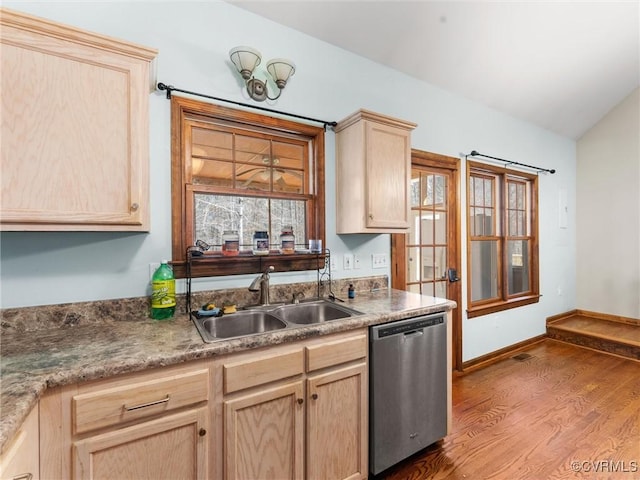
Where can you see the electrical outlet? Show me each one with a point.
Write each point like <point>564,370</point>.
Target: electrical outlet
<point>379,260</point>
<point>347,262</point>
<point>357,263</point>
<point>334,264</point>
<point>153,266</point>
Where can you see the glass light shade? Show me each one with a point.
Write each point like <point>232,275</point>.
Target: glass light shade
<point>281,69</point>
<point>245,59</point>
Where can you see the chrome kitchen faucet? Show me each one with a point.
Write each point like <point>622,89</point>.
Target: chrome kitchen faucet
<point>261,284</point>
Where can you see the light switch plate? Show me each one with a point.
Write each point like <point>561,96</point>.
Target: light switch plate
<point>357,263</point>
<point>347,263</point>
<point>379,260</point>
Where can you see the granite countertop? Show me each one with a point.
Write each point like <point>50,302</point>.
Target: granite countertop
<point>32,362</point>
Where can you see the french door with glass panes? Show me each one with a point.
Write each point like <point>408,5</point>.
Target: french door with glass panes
<point>426,259</point>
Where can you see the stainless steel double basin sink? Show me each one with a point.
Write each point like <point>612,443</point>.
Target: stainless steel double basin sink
<point>264,319</point>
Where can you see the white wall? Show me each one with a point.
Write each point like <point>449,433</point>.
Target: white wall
<point>608,217</point>
<point>194,39</point>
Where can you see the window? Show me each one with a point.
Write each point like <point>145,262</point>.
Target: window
<point>502,239</point>
<point>235,170</point>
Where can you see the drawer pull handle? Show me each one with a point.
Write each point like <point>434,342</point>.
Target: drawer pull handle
<point>314,396</point>
<point>23,476</point>
<point>145,405</point>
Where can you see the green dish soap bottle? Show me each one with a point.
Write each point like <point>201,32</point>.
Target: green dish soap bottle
<point>163,292</point>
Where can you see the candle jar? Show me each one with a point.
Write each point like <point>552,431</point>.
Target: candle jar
<point>230,243</point>
<point>287,240</point>
<point>261,243</point>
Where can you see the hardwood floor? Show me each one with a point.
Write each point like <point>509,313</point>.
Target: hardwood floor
<point>563,412</point>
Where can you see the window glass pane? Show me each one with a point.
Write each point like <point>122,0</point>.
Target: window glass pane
<point>288,212</point>
<point>211,144</point>
<point>427,289</point>
<point>441,191</point>
<point>415,189</point>
<point>252,150</point>
<point>413,264</point>
<point>426,221</point>
<point>478,190</point>
<point>440,261</point>
<point>211,172</point>
<point>440,223</point>
<point>521,197</point>
<point>289,181</point>
<point>512,195</point>
<point>522,230</point>
<point>513,223</point>
<point>488,192</point>
<point>216,213</point>
<point>472,222</point>
<point>484,269</point>
<point>427,263</point>
<point>482,222</point>
<point>252,177</point>
<point>441,289</point>
<point>414,287</point>
<point>287,155</point>
<point>518,266</point>
<point>413,237</point>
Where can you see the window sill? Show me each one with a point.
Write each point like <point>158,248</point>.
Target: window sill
<point>218,265</point>
<point>488,308</point>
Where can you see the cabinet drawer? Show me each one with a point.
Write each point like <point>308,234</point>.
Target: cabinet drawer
<point>336,352</point>
<point>264,369</point>
<point>124,403</point>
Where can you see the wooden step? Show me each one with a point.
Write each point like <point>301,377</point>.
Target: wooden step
<point>606,333</point>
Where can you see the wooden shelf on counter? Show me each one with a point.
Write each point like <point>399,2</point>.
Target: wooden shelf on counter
<point>246,263</point>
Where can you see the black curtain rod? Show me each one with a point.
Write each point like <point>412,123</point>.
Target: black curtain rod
<point>171,88</point>
<point>475,153</point>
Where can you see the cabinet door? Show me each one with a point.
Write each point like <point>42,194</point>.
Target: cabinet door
<point>20,461</point>
<point>388,163</point>
<point>74,128</point>
<point>171,447</point>
<point>264,434</point>
<point>337,424</point>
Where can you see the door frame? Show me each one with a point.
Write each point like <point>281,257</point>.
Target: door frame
<point>421,158</point>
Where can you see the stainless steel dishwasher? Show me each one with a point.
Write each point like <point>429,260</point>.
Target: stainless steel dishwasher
<point>408,388</point>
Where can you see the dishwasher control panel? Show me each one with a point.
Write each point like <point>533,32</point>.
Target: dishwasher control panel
<point>394,328</point>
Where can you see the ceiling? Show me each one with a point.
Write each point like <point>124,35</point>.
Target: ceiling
<point>561,65</point>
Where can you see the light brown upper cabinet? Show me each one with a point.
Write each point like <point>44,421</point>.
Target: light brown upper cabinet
<point>75,128</point>
<point>373,171</point>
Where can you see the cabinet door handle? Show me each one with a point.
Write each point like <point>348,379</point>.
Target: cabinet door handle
<point>145,405</point>
<point>300,401</point>
<point>23,476</point>
<point>135,207</point>
<point>314,396</point>
<point>202,432</point>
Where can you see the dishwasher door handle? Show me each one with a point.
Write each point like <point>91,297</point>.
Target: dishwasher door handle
<point>414,333</point>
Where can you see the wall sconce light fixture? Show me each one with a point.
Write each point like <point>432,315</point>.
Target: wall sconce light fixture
<point>246,59</point>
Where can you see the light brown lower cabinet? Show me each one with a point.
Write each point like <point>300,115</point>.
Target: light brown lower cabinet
<point>302,412</point>
<point>336,424</point>
<point>169,447</point>
<point>150,425</point>
<point>20,459</point>
<point>293,411</point>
